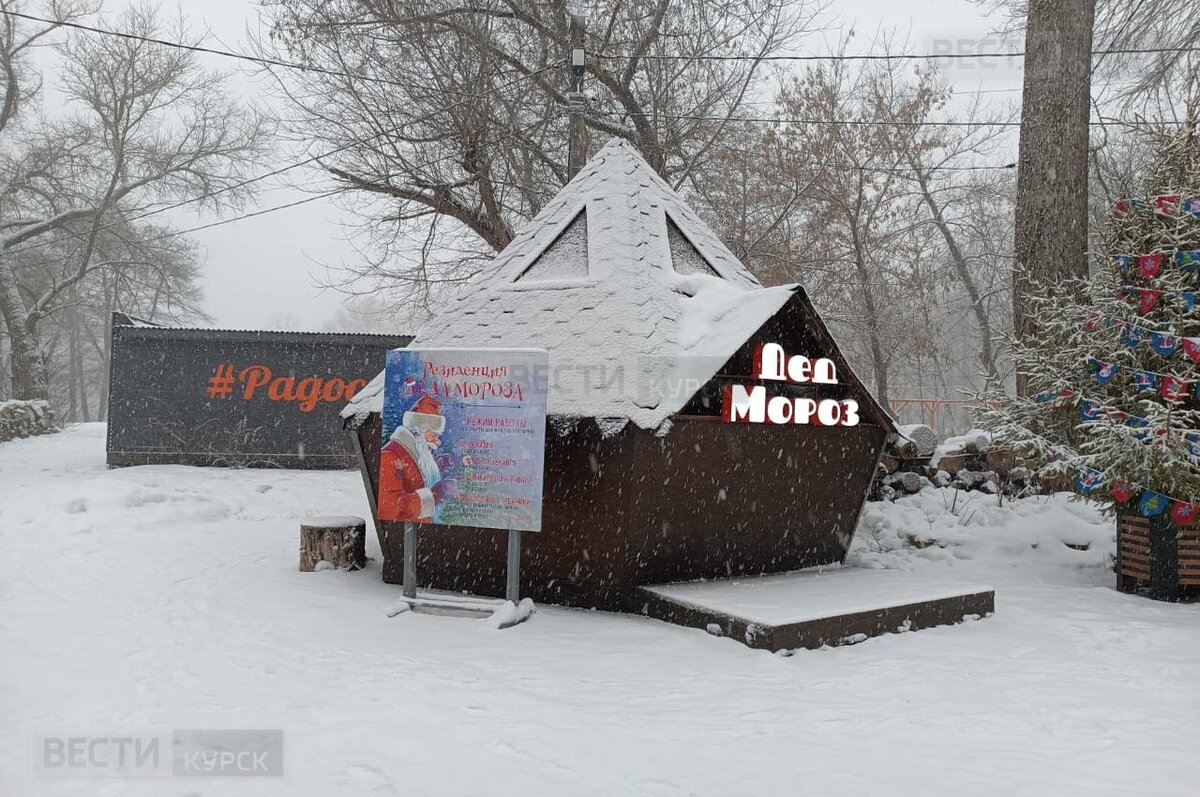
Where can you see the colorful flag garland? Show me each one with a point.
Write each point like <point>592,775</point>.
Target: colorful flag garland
<point>1166,204</point>
<point>1150,503</point>
<point>1089,479</point>
<point>1104,372</point>
<point>1150,264</point>
<point>1166,344</point>
<point>1149,298</point>
<point>1092,411</point>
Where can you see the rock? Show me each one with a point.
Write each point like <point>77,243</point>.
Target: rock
<point>25,419</point>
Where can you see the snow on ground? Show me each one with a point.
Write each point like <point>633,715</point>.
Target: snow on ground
<point>169,597</point>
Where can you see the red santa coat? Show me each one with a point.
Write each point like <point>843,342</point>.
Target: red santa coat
<point>407,474</point>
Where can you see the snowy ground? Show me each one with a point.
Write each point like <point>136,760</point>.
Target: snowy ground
<point>168,597</point>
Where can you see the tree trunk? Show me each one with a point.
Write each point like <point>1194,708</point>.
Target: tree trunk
<point>1051,222</point>
<point>987,353</point>
<point>3,361</point>
<point>73,375</point>
<point>28,378</point>
<point>81,370</point>
<point>878,362</point>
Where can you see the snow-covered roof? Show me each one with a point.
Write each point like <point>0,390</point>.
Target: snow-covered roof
<point>634,296</point>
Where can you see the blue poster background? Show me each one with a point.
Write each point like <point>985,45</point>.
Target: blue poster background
<point>491,451</point>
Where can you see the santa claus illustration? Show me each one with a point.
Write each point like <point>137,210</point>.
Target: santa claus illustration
<point>412,480</point>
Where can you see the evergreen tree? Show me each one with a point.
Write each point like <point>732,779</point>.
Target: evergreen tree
<point>1114,373</point>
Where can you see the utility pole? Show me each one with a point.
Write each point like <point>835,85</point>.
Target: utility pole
<point>576,102</point>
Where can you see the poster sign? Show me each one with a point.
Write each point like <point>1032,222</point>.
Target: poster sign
<point>464,433</point>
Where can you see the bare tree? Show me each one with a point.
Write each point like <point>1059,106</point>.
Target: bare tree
<point>149,127</point>
<point>963,205</point>
<point>453,115</point>
<point>17,41</point>
<point>899,226</point>
<point>855,210</point>
<point>149,276</point>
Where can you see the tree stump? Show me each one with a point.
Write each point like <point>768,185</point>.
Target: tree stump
<point>340,541</point>
<point>924,440</point>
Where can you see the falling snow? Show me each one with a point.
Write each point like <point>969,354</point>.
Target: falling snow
<point>168,597</point>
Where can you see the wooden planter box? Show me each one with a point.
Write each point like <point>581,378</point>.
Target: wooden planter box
<point>1157,557</point>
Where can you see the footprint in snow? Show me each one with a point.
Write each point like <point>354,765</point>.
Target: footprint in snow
<point>656,786</point>
<point>76,506</point>
<point>139,499</point>
<point>368,778</point>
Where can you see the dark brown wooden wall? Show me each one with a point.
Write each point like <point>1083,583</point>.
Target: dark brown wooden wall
<point>715,499</point>
<point>708,500</point>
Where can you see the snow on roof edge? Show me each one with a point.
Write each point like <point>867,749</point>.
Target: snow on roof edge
<point>711,338</point>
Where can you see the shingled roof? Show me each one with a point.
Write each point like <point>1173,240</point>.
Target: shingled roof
<point>624,285</point>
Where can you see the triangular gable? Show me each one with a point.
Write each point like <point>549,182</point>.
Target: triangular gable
<point>565,258</point>
<point>685,257</point>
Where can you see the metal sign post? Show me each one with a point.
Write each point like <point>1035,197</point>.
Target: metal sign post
<point>410,560</point>
<point>512,591</point>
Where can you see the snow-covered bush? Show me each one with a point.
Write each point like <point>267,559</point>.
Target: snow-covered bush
<point>942,524</point>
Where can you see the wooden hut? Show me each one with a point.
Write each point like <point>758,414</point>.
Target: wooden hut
<point>647,317</point>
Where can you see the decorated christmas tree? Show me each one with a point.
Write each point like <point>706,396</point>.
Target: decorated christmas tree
<point>1114,369</point>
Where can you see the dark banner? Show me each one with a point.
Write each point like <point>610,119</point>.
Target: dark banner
<point>236,398</point>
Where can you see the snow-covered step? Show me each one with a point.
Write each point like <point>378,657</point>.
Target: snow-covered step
<point>817,607</point>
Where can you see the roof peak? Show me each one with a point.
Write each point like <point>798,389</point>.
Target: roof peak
<point>623,283</point>
<point>616,217</point>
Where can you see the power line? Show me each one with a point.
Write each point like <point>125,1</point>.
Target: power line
<point>263,61</point>
<point>284,206</point>
<point>196,48</point>
<point>283,169</point>
<point>783,120</point>
<point>982,167</point>
<point>951,92</point>
<point>314,198</point>
<point>896,169</point>
<point>243,216</point>
<point>856,122</point>
<point>881,56</point>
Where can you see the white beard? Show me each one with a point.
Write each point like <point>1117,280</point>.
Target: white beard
<point>421,452</point>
